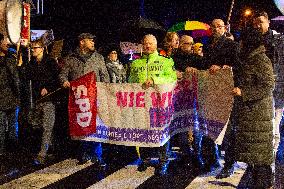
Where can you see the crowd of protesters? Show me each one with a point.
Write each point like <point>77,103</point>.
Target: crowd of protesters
<point>253,129</point>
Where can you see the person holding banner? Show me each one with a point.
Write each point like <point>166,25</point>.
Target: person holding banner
<point>9,98</point>
<point>187,63</point>
<point>274,44</point>
<point>151,69</point>
<point>43,72</point>
<point>219,53</point>
<point>253,108</point>
<point>83,61</point>
<point>185,60</point>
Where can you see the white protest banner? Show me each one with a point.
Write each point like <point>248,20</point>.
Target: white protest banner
<point>129,115</point>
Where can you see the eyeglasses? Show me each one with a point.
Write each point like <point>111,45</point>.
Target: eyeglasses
<point>219,27</point>
<point>113,53</point>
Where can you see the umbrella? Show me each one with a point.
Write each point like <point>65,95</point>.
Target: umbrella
<point>134,29</point>
<point>198,29</point>
<point>277,23</point>
<point>278,18</point>
<point>150,24</point>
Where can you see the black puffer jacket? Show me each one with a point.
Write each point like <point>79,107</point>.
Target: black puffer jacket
<point>254,110</point>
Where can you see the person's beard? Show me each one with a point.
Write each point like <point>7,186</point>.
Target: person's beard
<point>91,49</point>
<point>4,49</point>
<point>217,35</point>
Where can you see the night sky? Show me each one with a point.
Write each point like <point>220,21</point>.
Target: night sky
<point>108,19</point>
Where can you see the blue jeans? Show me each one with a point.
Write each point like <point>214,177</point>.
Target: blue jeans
<point>90,150</point>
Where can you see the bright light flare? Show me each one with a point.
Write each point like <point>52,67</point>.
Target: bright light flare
<point>248,12</point>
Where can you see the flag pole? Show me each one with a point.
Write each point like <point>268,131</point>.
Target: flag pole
<point>230,14</point>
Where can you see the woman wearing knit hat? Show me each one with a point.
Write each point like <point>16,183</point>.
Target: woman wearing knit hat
<point>115,68</point>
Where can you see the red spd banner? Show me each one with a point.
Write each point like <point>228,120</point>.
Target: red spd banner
<point>82,105</point>
<point>25,33</point>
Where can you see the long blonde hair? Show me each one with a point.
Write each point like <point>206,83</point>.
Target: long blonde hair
<point>167,46</point>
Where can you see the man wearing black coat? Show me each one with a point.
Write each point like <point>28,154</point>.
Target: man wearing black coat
<point>274,45</point>
<point>9,96</point>
<point>222,53</point>
<point>43,72</point>
<point>186,62</point>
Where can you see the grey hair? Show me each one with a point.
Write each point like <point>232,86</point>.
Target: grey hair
<point>216,20</point>
<point>150,36</point>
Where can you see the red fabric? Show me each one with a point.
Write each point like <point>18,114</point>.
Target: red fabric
<point>82,105</point>
<point>163,53</point>
<point>25,33</point>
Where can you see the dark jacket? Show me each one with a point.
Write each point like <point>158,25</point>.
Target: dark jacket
<point>76,65</point>
<point>254,110</point>
<point>183,60</point>
<point>9,83</point>
<point>116,71</point>
<point>43,75</point>
<point>223,52</point>
<point>274,44</point>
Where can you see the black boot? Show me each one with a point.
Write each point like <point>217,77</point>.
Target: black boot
<point>227,171</point>
<point>99,163</point>
<point>162,169</point>
<point>83,158</point>
<point>142,166</point>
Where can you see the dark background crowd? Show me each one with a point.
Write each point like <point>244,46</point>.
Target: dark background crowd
<point>39,86</point>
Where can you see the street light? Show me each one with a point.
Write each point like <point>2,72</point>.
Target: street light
<point>247,16</point>
<point>247,13</point>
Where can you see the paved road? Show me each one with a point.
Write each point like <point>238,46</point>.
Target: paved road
<point>62,171</point>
